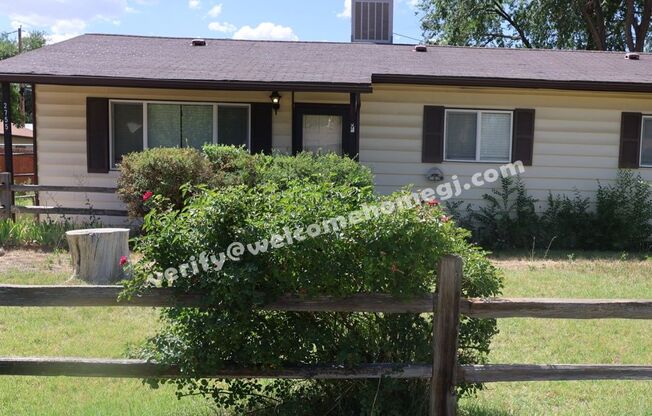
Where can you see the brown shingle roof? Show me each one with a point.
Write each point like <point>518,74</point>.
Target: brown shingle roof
<point>158,61</point>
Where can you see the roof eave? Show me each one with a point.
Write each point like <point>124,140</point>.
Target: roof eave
<point>511,83</point>
<point>84,80</point>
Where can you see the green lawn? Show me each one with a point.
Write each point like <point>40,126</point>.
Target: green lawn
<point>78,332</point>
<point>107,332</point>
<point>542,341</point>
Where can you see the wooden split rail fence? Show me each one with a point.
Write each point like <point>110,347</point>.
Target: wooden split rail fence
<point>444,371</point>
<point>8,207</point>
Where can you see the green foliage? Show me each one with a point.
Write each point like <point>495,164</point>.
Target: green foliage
<point>624,213</point>
<point>231,165</point>
<point>45,234</point>
<point>568,223</point>
<point>9,48</point>
<point>508,217</point>
<point>165,171</point>
<point>555,24</point>
<point>162,171</point>
<point>395,254</point>
<point>234,165</point>
<point>621,220</point>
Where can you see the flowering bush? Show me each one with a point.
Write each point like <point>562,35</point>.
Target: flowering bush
<point>162,172</point>
<point>395,254</point>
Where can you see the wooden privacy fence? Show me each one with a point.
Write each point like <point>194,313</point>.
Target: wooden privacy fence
<point>24,163</point>
<point>444,371</point>
<point>8,207</point>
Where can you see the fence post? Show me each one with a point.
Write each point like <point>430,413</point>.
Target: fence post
<point>446,321</point>
<point>5,194</point>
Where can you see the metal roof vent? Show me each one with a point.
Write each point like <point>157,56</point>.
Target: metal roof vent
<point>632,56</point>
<point>420,48</point>
<point>198,42</point>
<point>372,21</point>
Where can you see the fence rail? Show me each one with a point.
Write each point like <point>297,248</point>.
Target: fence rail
<point>447,304</point>
<point>8,191</point>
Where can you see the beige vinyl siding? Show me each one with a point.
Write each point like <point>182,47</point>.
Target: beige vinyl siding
<point>576,139</point>
<point>61,121</point>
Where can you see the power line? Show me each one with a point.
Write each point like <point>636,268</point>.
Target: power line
<point>408,37</point>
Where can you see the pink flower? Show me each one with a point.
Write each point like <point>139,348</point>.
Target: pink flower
<point>444,218</point>
<point>147,195</point>
<point>123,261</point>
<point>433,203</point>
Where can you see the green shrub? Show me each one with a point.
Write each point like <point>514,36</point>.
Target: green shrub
<point>161,171</point>
<point>314,168</point>
<point>235,166</point>
<point>232,165</point>
<point>624,213</point>
<point>568,223</point>
<point>508,219</point>
<point>395,254</point>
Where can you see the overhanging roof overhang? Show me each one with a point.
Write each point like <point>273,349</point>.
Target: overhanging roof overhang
<point>184,84</point>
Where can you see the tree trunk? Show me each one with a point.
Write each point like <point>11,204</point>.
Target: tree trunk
<point>96,254</point>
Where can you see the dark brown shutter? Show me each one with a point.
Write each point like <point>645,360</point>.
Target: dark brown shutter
<point>97,134</point>
<point>630,140</point>
<point>261,128</point>
<point>523,140</point>
<point>432,150</point>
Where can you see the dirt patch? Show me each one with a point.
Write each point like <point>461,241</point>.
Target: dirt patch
<point>32,260</point>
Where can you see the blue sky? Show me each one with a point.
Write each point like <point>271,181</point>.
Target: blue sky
<point>315,20</point>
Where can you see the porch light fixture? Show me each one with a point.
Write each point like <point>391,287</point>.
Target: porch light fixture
<point>276,101</point>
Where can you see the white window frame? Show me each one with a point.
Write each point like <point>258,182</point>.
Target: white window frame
<point>640,150</point>
<point>145,103</point>
<point>478,133</point>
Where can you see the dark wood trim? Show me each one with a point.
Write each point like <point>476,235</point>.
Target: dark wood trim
<point>186,84</point>
<point>512,83</point>
<point>301,109</point>
<point>35,141</point>
<point>352,147</point>
<point>7,120</point>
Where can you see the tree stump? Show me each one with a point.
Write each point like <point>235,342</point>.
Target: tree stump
<point>96,254</point>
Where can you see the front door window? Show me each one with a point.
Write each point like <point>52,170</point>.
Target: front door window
<point>322,133</point>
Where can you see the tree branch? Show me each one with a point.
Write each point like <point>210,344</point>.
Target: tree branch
<point>592,14</point>
<point>644,26</point>
<point>498,9</point>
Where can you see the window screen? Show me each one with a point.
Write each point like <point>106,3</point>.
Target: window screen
<point>484,136</point>
<point>646,142</point>
<point>233,125</point>
<point>495,136</point>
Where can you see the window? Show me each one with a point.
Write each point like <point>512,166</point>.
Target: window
<point>478,136</point>
<point>138,125</point>
<point>646,142</point>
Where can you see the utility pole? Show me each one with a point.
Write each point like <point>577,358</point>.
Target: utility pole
<point>21,87</point>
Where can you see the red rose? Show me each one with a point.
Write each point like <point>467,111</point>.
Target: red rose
<point>123,260</point>
<point>433,203</point>
<point>147,195</point>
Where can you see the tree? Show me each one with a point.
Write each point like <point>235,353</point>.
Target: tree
<point>8,49</point>
<point>562,24</point>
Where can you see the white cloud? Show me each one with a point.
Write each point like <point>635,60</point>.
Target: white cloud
<point>346,13</point>
<point>223,27</point>
<point>266,31</point>
<point>194,4</point>
<point>63,19</point>
<point>215,10</point>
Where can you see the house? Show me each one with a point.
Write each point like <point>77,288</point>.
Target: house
<point>23,152</point>
<point>22,136</point>
<point>572,117</point>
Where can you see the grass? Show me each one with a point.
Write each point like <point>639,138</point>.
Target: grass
<point>107,332</point>
<point>79,332</point>
<point>541,341</point>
